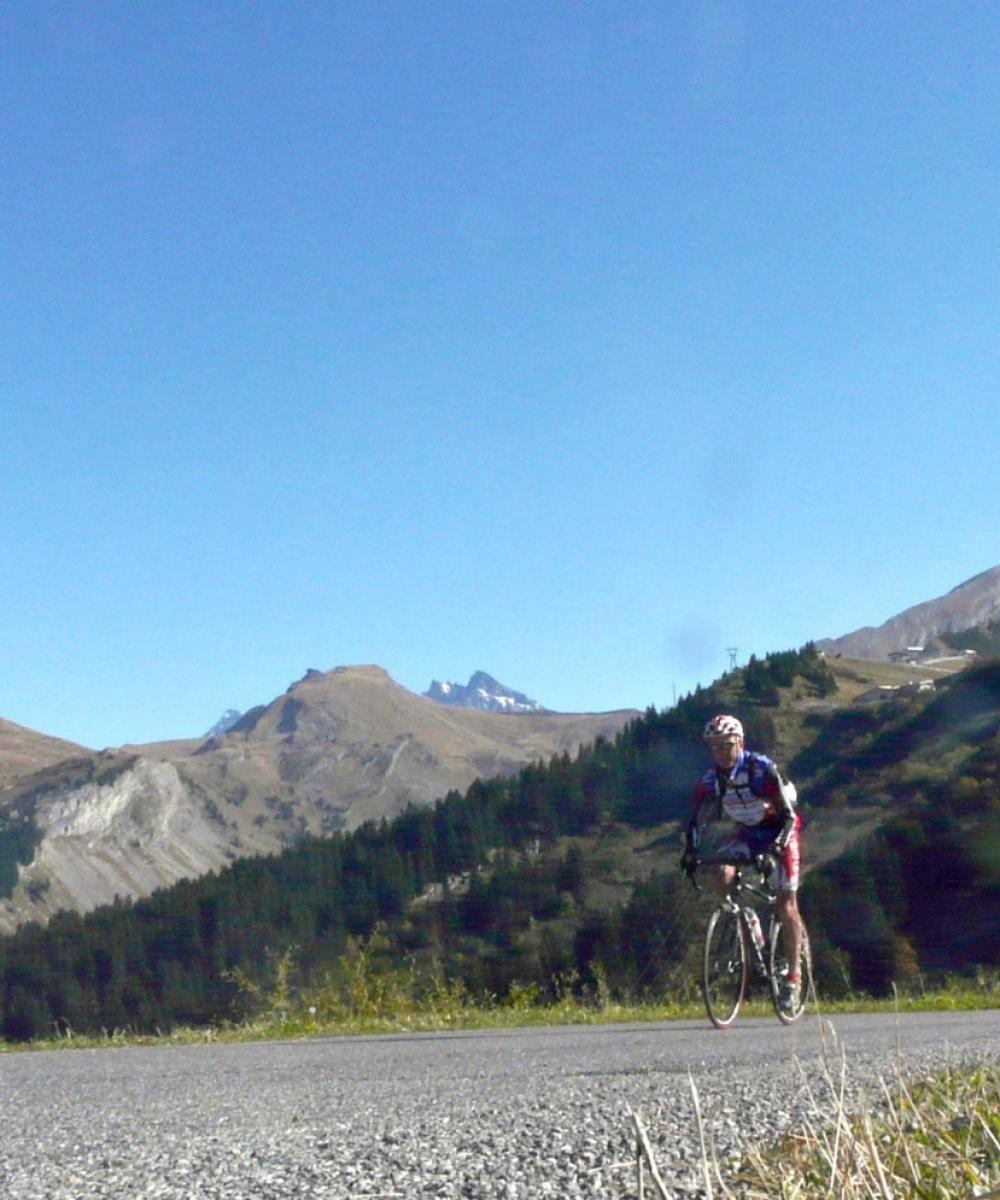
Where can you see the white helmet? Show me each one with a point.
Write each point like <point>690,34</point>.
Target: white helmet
<point>723,726</point>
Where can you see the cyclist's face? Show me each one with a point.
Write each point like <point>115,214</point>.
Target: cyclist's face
<point>725,750</point>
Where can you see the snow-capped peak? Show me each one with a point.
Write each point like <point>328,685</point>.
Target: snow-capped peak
<point>482,692</point>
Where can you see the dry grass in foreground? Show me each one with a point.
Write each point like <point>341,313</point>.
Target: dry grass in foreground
<point>936,1138</point>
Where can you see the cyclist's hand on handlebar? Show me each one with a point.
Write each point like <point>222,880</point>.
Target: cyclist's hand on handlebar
<point>767,864</point>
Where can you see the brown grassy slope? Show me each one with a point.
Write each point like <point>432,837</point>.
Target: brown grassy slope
<point>854,677</point>
<point>358,745</point>
<point>23,751</point>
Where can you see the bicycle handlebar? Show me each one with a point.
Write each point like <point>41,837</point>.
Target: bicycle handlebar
<point>720,860</point>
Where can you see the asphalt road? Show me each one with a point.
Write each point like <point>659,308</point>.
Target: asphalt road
<point>472,1114</point>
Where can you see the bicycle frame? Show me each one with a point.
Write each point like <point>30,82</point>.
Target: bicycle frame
<point>737,885</point>
<point>730,929</point>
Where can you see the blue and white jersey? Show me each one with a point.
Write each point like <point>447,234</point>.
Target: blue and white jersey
<point>754,792</point>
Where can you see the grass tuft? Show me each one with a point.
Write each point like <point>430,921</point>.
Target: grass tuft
<point>937,1138</point>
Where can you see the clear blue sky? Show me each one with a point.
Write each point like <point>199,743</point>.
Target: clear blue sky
<point>576,342</point>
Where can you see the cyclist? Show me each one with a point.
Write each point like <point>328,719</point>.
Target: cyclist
<point>751,790</point>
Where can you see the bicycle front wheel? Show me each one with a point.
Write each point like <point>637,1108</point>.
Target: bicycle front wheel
<point>725,981</point>
<point>789,1009</point>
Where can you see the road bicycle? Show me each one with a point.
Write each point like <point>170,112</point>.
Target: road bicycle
<point>736,942</point>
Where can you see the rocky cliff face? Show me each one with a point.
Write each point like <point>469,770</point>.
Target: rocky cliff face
<point>973,603</point>
<point>143,829</point>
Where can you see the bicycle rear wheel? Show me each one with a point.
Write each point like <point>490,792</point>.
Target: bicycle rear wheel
<point>725,979</point>
<point>778,964</point>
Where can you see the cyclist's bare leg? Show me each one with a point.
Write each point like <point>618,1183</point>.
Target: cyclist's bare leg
<point>719,879</point>
<point>786,908</point>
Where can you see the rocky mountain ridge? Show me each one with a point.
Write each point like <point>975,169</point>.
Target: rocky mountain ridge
<point>225,722</point>
<point>336,749</point>
<point>970,605</point>
<point>482,692</point>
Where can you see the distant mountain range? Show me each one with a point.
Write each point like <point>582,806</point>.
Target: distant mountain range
<point>973,605</point>
<point>482,692</point>
<point>336,749</point>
